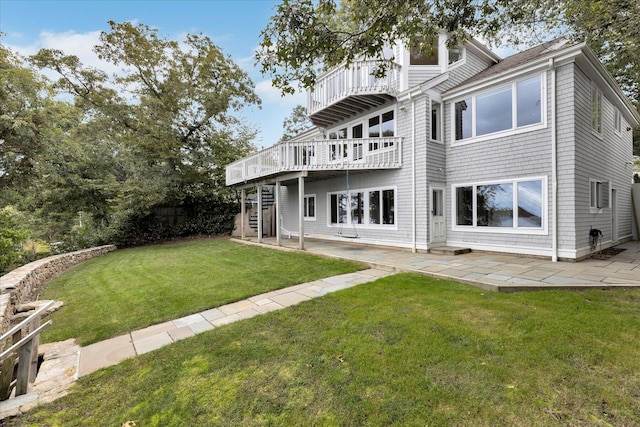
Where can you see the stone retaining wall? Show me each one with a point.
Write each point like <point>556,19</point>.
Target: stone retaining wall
<point>25,283</point>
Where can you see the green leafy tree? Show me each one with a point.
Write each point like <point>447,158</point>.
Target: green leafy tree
<point>12,235</point>
<point>159,133</point>
<point>306,36</point>
<point>296,122</point>
<point>24,97</point>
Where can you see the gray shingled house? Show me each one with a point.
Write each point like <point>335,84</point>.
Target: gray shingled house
<point>524,155</point>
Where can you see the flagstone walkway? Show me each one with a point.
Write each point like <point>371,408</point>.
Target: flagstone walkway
<point>64,362</point>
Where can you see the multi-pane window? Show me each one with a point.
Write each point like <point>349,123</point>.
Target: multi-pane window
<point>339,149</point>
<point>507,107</point>
<point>376,206</point>
<point>617,121</point>
<point>309,203</point>
<point>514,204</point>
<point>596,109</point>
<point>379,129</point>
<point>436,115</point>
<point>356,132</point>
<point>381,126</point>
<point>598,195</point>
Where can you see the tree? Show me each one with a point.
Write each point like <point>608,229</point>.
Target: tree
<point>296,122</point>
<point>157,134</point>
<point>11,236</point>
<point>24,97</point>
<point>306,36</point>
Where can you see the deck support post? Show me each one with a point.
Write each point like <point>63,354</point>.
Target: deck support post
<point>277,214</point>
<point>259,198</point>
<point>243,212</point>
<point>301,212</point>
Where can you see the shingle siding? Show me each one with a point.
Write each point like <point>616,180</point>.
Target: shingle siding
<point>581,156</point>
<point>601,158</point>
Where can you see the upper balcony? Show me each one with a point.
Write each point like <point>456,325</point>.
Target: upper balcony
<point>344,92</point>
<point>319,155</point>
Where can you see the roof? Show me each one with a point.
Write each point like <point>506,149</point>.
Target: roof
<point>516,60</point>
<point>557,48</point>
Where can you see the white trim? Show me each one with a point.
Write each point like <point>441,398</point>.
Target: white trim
<point>443,188</point>
<point>617,122</point>
<point>364,121</point>
<point>523,250</point>
<point>365,225</point>
<point>600,107</point>
<point>315,206</point>
<point>514,129</point>
<point>544,230</point>
<point>459,62</point>
<point>517,74</point>
<point>597,209</point>
<point>365,241</point>
<point>437,100</point>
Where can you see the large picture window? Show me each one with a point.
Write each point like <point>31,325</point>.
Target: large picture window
<point>507,107</point>
<point>510,205</point>
<point>371,207</point>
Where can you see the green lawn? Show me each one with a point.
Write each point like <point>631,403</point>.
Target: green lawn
<point>404,350</point>
<point>134,288</point>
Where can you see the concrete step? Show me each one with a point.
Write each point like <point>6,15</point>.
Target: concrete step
<point>449,250</point>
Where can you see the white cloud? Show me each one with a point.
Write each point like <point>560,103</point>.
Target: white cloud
<point>272,96</point>
<point>70,43</point>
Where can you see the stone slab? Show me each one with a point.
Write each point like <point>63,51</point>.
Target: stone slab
<point>181,333</point>
<point>154,342</point>
<point>152,330</point>
<point>105,353</point>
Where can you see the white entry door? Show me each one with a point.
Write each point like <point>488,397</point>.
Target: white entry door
<point>438,226</point>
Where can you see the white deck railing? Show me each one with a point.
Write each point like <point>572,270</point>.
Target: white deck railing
<point>327,154</point>
<point>357,79</point>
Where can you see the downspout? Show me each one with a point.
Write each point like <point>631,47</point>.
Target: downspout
<point>413,172</point>
<point>554,165</point>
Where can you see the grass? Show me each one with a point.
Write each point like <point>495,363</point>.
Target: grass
<point>404,350</point>
<point>134,288</point>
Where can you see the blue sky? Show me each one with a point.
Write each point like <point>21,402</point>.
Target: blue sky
<point>233,25</point>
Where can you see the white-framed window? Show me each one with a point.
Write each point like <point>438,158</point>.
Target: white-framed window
<point>436,121</point>
<point>596,109</point>
<point>598,195</point>
<point>617,121</point>
<point>372,207</point>
<point>513,206</point>
<point>517,105</point>
<point>309,203</point>
<point>378,125</point>
<point>456,54</point>
<point>422,52</point>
